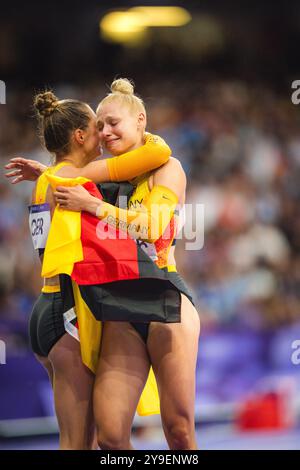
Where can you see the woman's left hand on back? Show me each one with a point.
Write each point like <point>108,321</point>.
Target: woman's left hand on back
<point>75,198</point>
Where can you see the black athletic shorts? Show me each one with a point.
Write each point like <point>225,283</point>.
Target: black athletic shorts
<point>176,279</point>
<point>46,324</point>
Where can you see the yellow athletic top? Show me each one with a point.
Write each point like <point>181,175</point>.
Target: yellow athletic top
<point>159,250</point>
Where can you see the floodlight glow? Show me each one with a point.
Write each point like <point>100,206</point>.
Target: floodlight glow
<point>163,16</point>
<point>121,25</point>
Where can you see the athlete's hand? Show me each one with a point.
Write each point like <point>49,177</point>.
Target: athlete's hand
<point>24,170</point>
<point>75,198</point>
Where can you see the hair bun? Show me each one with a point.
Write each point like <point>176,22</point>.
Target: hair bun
<point>122,85</point>
<point>45,103</point>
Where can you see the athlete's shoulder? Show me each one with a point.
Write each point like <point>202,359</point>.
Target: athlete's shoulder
<point>173,164</point>
<point>171,175</point>
<point>68,171</point>
<point>173,169</point>
<point>176,164</point>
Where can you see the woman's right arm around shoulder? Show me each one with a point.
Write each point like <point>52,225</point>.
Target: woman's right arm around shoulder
<point>153,154</point>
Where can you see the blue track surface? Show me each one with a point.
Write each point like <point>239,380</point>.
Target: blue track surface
<point>209,438</point>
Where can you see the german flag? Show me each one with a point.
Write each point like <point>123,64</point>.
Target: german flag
<point>117,279</point>
<point>114,279</point>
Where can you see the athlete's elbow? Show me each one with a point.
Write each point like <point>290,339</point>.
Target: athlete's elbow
<point>163,156</point>
<point>166,154</point>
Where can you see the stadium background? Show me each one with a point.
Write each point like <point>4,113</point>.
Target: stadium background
<point>218,89</point>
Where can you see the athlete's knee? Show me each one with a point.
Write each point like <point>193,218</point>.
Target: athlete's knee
<point>66,444</point>
<point>180,433</point>
<point>77,440</point>
<point>112,440</point>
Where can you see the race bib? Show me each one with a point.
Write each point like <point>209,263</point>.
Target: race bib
<point>39,224</point>
<point>149,249</point>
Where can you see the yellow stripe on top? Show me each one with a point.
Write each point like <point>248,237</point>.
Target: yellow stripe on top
<point>172,268</point>
<point>161,196</point>
<point>50,289</point>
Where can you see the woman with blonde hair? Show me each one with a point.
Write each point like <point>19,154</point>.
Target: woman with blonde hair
<point>128,349</point>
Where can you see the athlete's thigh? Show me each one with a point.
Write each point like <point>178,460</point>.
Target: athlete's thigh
<point>66,353</point>
<point>73,394</point>
<point>72,379</point>
<point>47,365</point>
<point>173,351</point>
<point>122,373</point>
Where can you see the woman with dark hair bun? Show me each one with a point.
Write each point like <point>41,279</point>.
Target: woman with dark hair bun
<point>69,131</point>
